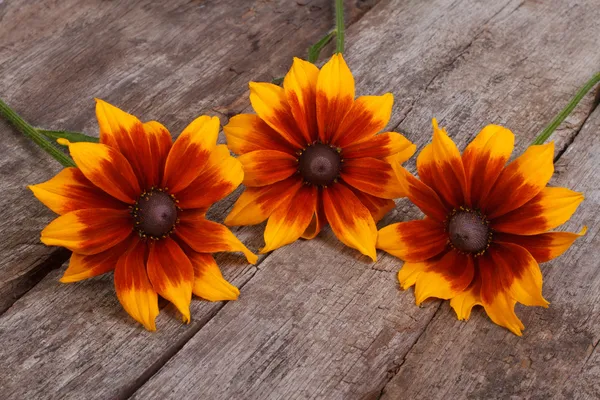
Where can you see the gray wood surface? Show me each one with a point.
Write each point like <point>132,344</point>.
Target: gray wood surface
<point>314,319</point>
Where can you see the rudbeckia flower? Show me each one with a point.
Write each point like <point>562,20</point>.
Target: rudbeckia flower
<point>136,204</point>
<point>312,156</point>
<point>486,225</point>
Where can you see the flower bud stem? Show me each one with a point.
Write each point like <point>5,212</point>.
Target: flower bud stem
<point>339,26</point>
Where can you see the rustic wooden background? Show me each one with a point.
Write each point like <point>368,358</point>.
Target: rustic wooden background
<point>315,319</point>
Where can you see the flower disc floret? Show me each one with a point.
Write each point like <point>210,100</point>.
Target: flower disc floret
<point>320,164</point>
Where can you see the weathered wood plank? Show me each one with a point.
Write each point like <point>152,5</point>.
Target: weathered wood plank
<point>170,62</point>
<point>317,321</point>
<point>558,356</point>
<point>319,330</point>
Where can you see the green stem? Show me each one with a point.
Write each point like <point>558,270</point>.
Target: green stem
<point>339,26</point>
<point>70,136</point>
<point>315,49</point>
<point>545,134</point>
<point>34,135</point>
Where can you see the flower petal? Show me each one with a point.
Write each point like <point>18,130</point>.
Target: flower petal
<point>256,204</point>
<point>380,146</point>
<point>409,272</point>
<point>318,221</point>
<point>464,301</point>
<point>501,310</point>
<point>271,105</point>
<point>377,206</point>
<point>444,276</point>
<point>440,167</point>
<point>70,190</point>
<point>484,158</point>
<point>145,146</point>
<point>115,125</point>
<point>160,143</point>
<point>335,96</point>
<point>133,288</point>
<point>543,247</point>
<point>421,195</point>
<point>289,221</point>
<point>300,85</point>
<point>413,240</point>
<point>208,280</point>
<point>248,132</point>
<point>89,231</point>
<point>206,236</point>
<point>107,169</point>
<point>516,261</point>
<point>509,274</point>
<point>221,175</point>
<point>189,153</point>
<point>350,220</point>
<point>520,181</point>
<point>550,208</point>
<point>497,302</point>
<point>83,267</point>
<point>264,167</point>
<point>373,176</point>
<point>368,115</point>
<point>171,274</point>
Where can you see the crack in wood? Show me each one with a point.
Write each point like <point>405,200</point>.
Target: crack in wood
<point>451,65</point>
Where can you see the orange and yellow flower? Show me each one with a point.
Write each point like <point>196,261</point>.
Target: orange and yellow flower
<point>486,225</point>
<point>312,156</point>
<point>136,204</point>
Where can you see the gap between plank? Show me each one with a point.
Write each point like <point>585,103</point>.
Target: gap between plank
<point>448,67</point>
<point>130,390</point>
<point>595,105</point>
<point>53,261</point>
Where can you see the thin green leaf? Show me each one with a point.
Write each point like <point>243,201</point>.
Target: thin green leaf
<point>70,136</point>
<point>315,50</point>
<point>277,81</point>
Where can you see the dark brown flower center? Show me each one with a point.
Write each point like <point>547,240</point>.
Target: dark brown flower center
<point>469,231</point>
<point>320,164</point>
<point>155,214</point>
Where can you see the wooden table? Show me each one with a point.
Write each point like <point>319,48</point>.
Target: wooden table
<point>315,319</point>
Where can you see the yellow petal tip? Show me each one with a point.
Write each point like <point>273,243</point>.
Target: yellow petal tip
<point>150,328</point>
<point>63,141</point>
<point>250,256</point>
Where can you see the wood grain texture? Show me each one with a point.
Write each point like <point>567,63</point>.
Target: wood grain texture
<point>316,320</point>
<point>558,355</point>
<point>165,61</point>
